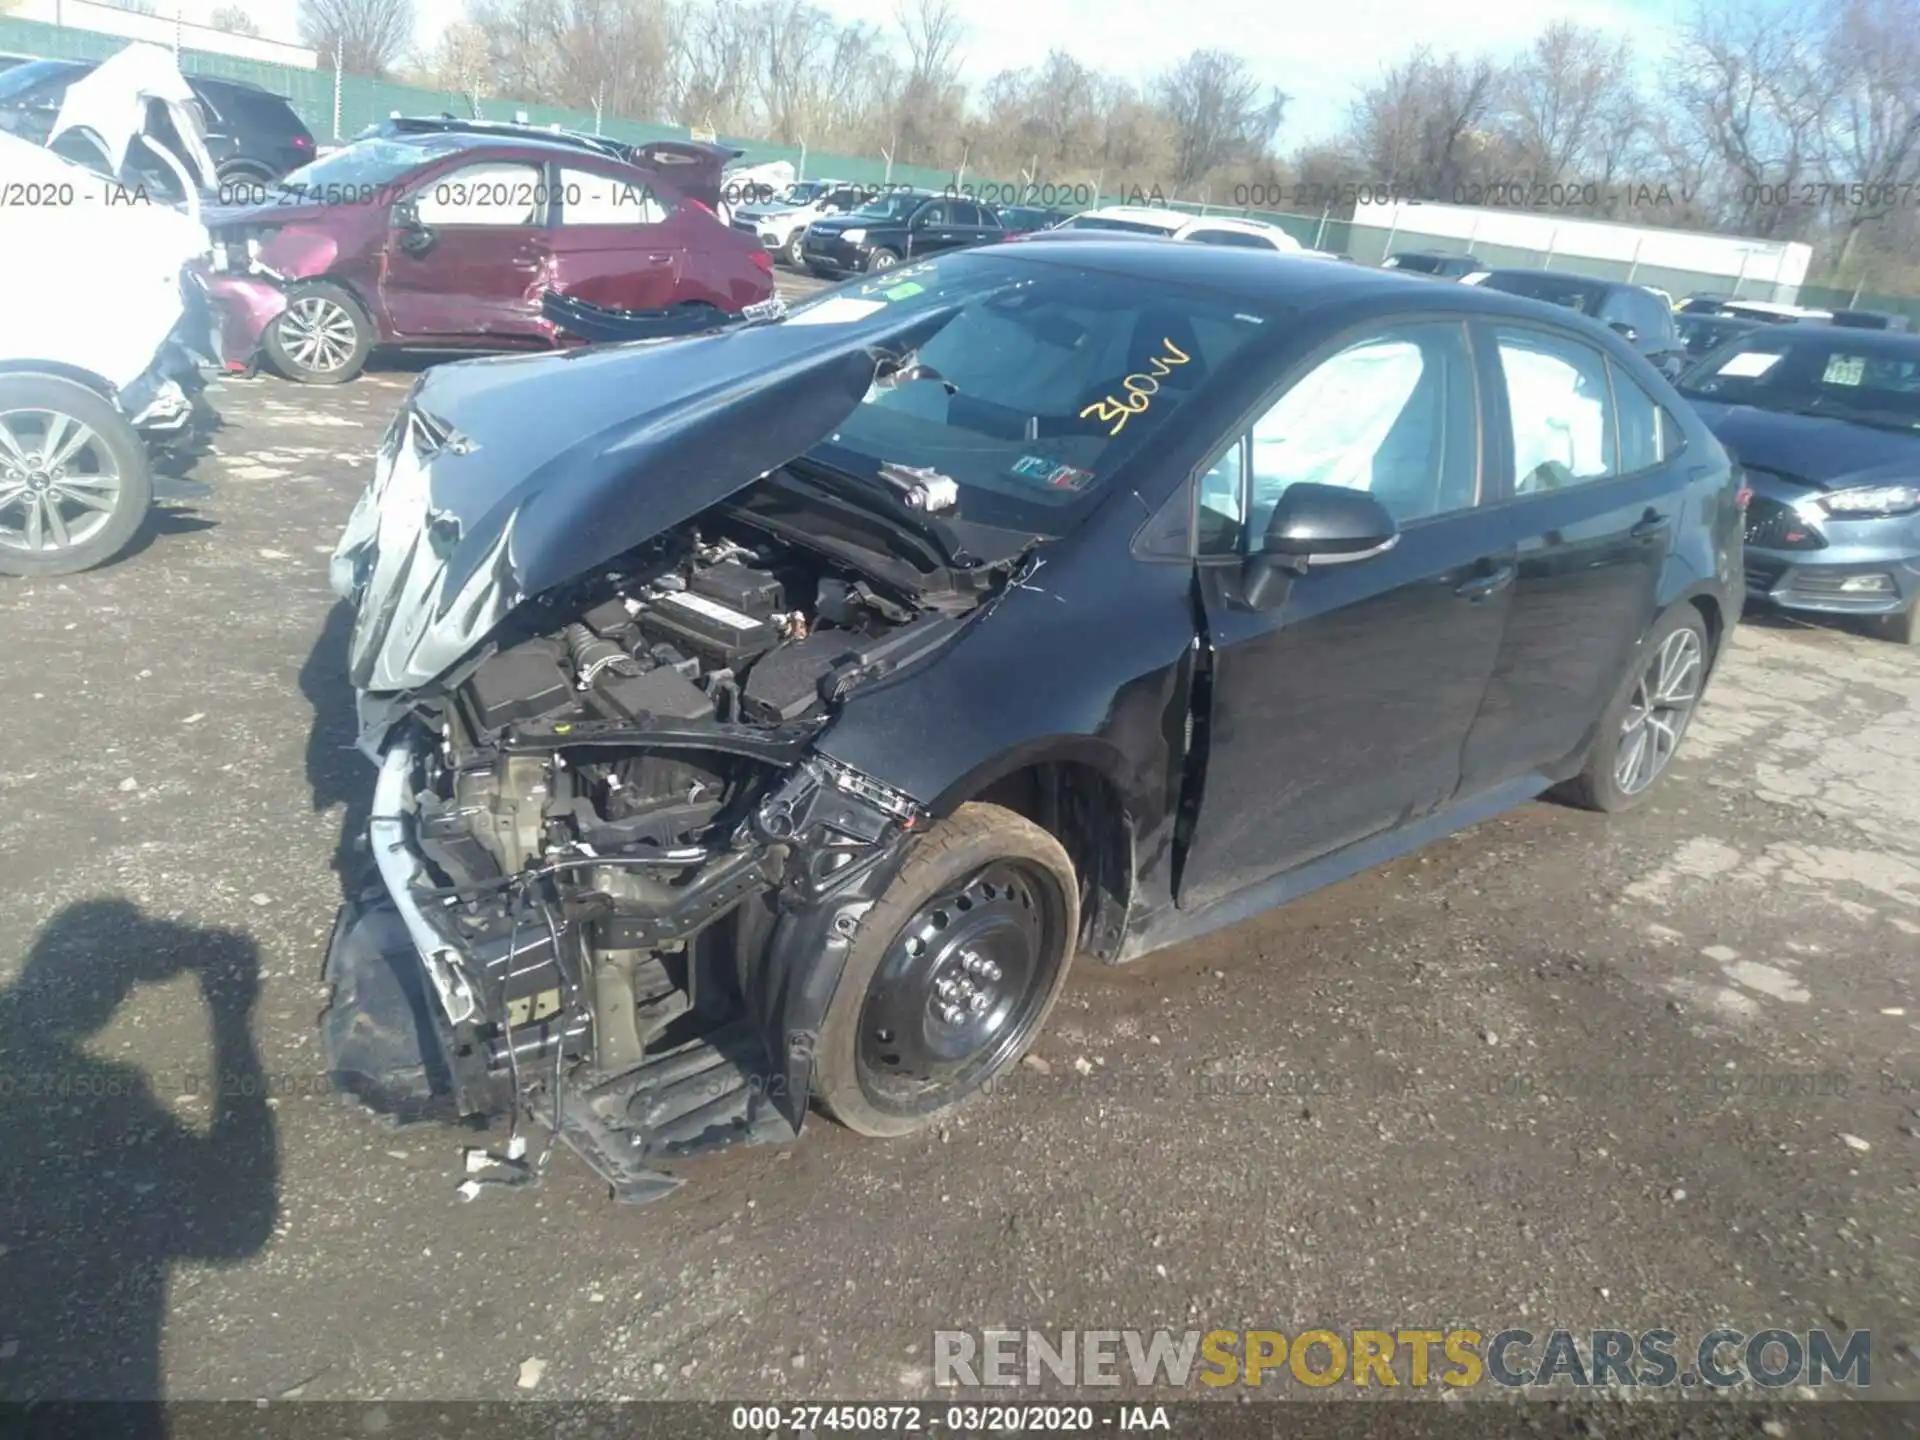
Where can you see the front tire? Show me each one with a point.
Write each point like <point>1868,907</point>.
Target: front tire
<point>323,337</point>
<point>1642,728</point>
<point>75,481</point>
<point>882,259</point>
<point>1902,629</point>
<point>794,252</point>
<point>953,974</point>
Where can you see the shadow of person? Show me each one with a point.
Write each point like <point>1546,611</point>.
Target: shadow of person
<point>102,1188</point>
<point>337,773</point>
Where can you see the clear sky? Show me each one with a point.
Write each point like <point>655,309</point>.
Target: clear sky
<point>1318,53</point>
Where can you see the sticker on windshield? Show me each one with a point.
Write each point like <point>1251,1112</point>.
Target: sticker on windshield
<point>1750,364</point>
<point>1137,390</point>
<point>901,292</point>
<point>1844,370</point>
<point>1051,473</point>
<point>837,311</point>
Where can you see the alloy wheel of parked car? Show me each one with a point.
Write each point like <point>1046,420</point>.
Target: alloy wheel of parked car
<point>74,483</point>
<point>882,259</point>
<point>795,255</point>
<point>323,336</point>
<point>1658,711</point>
<point>954,975</point>
<point>1643,727</point>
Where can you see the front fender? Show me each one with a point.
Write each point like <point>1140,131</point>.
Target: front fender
<point>299,253</point>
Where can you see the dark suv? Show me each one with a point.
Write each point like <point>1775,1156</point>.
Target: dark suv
<point>899,225</point>
<point>1635,313</point>
<point>439,234</point>
<point>1437,264</point>
<point>252,134</point>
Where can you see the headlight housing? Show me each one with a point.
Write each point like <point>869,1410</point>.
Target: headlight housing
<point>853,237</point>
<point>1866,501</point>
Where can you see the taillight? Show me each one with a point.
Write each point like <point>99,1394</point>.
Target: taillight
<point>303,142</point>
<point>763,261</point>
<point>1744,495</point>
<point>702,204</point>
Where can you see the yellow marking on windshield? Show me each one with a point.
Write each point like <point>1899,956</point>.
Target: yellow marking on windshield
<point>1138,389</point>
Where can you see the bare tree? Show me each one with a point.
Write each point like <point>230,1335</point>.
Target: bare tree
<point>1219,112</point>
<point>369,36</point>
<point>1753,94</point>
<point>714,65</point>
<point>461,63</point>
<point>1565,120</point>
<point>234,20</point>
<point>934,34</point>
<point>1424,128</point>
<point>1872,142</point>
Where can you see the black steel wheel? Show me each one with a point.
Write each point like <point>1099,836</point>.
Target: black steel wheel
<point>954,973</point>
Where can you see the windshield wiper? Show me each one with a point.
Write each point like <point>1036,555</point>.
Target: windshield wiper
<point>951,550</point>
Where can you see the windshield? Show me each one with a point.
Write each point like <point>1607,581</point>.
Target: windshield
<point>372,161</point>
<point>1569,291</point>
<point>1047,378</point>
<point>1808,374</point>
<point>1103,222</point>
<point>896,206</point>
<point>22,79</point>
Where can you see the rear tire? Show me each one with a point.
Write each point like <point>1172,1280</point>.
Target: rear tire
<point>1641,729</point>
<point>323,337</point>
<point>68,516</point>
<point>953,973</point>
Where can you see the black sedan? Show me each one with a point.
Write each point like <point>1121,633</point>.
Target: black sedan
<point>896,227</point>
<point>771,716</point>
<point>1640,317</point>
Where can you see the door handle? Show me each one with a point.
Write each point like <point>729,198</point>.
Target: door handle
<point>1651,524</point>
<point>1492,583</point>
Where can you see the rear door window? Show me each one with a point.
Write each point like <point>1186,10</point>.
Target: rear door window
<point>1649,436</point>
<point>593,197</point>
<point>493,195</point>
<point>1560,406</point>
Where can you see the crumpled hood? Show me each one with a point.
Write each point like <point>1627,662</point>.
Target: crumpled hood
<point>1817,449</point>
<point>502,478</point>
<point>284,211</point>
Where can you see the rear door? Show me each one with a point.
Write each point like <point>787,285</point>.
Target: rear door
<point>1596,482</point>
<point>466,254</point>
<point>614,242</point>
<point>1341,712</point>
<point>930,230</point>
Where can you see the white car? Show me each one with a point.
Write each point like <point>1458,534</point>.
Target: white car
<point>781,223</point>
<point>1178,225</point>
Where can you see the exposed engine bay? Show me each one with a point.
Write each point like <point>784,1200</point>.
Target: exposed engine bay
<point>626,837</point>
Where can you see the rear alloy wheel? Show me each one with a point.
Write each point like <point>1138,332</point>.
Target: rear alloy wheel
<point>882,259</point>
<point>1642,729</point>
<point>953,975</point>
<point>323,336</point>
<point>74,479</point>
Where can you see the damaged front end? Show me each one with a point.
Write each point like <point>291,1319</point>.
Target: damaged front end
<point>617,882</point>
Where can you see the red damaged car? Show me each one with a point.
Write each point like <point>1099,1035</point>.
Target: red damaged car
<point>448,234</point>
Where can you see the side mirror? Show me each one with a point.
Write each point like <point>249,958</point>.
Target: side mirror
<point>415,237</point>
<point>1625,331</point>
<point>1316,525</point>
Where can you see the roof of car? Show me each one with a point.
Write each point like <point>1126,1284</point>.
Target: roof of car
<point>1140,214</point>
<point>1566,275</point>
<point>1284,278</point>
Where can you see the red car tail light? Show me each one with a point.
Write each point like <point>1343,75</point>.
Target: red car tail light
<point>1743,497</point>
<point>303,142</point>
<point>763,261</point>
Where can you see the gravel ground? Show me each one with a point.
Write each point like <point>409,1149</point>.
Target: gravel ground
<point>1557,1070</point>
